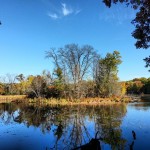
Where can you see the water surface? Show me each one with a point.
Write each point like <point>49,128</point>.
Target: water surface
<point>29,127</point>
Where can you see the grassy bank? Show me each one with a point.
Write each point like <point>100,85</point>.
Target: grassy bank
<point>10,98</point>
<point>85,101</point>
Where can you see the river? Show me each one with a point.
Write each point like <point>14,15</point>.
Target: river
<point>36,127</point>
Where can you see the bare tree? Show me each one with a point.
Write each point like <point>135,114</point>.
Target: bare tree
<point>38,86</point>
<point>47,77</point>
<point>76,63</point>
<point>9,81</point>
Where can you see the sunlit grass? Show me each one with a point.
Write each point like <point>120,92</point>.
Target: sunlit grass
<point>63,101</point>
<point>9,98</point>
<point>86,101</point>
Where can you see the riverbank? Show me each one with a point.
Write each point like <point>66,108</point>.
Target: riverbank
<point>85,101</point>
<point>10,98</point>
<point>146,97</point>
<point>51,101</point>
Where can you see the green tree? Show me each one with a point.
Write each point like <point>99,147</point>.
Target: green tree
<point>146,87</point>
<point>21,89</point>
<point>59,81</point>
<point>106,74</point>
<point>20,77</point>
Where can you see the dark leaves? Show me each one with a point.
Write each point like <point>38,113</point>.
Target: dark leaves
<point>141,22</point>
<point>147,60</point>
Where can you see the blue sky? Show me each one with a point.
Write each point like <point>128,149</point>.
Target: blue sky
<point>31,27</point>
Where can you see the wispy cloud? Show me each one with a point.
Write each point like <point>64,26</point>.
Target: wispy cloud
<point>77,11</point>
<point>53,16</point>
<point>63,11</point>
<point>117,15</point>
<point>66,10</point>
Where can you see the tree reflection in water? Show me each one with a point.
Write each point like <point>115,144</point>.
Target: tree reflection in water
<point>72,126</point>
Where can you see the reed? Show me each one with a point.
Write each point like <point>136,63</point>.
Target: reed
<point>9,98</point>
<point>85,101</point>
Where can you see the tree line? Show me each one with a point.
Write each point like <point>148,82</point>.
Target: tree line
<point>138,86</point>
<point>79,72</point>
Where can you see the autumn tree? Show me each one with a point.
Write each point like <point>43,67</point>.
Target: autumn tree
<point>2,90</point>
<point>138,86</point>
<point>123,88</point>
<point>38,87</point>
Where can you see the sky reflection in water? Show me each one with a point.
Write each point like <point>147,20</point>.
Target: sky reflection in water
<point>32,127</point>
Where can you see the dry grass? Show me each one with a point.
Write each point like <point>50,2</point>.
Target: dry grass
<point>51,101</point>
<point>9,98</point>
<point>85,101</point>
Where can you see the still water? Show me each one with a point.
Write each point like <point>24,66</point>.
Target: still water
<point>32,127</point>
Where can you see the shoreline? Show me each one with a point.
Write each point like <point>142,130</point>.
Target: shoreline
<point>53,101</point>
<point>10,98</point>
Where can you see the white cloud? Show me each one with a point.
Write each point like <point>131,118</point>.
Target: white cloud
<point>63,11</point>
<point>53,16</point>
<point>66,10</point>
